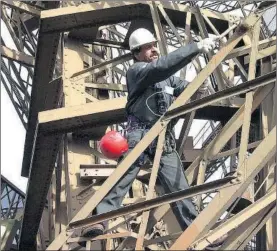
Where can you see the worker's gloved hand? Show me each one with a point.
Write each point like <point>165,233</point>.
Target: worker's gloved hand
<point>207,44</point>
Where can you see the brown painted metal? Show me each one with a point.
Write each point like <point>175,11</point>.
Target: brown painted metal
<point>84,89</point>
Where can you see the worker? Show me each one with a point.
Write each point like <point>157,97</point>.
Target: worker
<point>152,88</point>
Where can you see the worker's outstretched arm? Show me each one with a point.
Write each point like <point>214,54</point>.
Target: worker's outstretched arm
<point>142,74</point>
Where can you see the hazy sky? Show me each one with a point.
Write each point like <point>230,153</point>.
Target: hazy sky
<point>12,131</point>
<point>12,142</point>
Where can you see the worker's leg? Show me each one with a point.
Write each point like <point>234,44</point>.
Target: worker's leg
<point>114,198</point>
<point>172,178</point>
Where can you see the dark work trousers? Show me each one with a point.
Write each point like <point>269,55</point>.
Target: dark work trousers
<point>170,176</point>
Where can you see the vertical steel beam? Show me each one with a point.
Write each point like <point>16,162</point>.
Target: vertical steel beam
<point>268,122</point>
<point>77,151</point>
<point>158,28</point>
<point>204,34</point>
<point>187,40</point>
<point>249,98</point>
<point>64,218</point>
<point>266,119</point>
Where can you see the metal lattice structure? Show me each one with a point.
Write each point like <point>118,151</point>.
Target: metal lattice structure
<point>12,205</point>
<point>65,74</point>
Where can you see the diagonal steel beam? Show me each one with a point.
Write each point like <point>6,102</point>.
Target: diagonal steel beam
<point>107,86</point>
<point>23,7</point>
<point>17,56</point>
<point>248,229</point>
<point>226,133</point>
<point>100,67</point>
<point>152,203</point>
<point>233,91</point>
<point>208,217</point>
<point>257,228</point>
<point>243,50</point>
<point>236,220</point>
<point>19,105</point>
<point>97,58</point>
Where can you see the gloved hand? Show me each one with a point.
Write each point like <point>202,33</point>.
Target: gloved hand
<point>207,44</point>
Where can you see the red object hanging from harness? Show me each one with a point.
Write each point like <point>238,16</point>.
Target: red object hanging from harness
<point>113,145</point>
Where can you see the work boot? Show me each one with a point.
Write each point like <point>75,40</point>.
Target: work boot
<point>92,232</point>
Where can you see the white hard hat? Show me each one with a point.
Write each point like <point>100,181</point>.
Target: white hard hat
<point>140,37</point>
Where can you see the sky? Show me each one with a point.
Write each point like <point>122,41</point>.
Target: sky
<point>12,142</point>
<point>12,132</point>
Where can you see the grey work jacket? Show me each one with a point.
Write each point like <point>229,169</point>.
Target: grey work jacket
<point>145,79</point>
